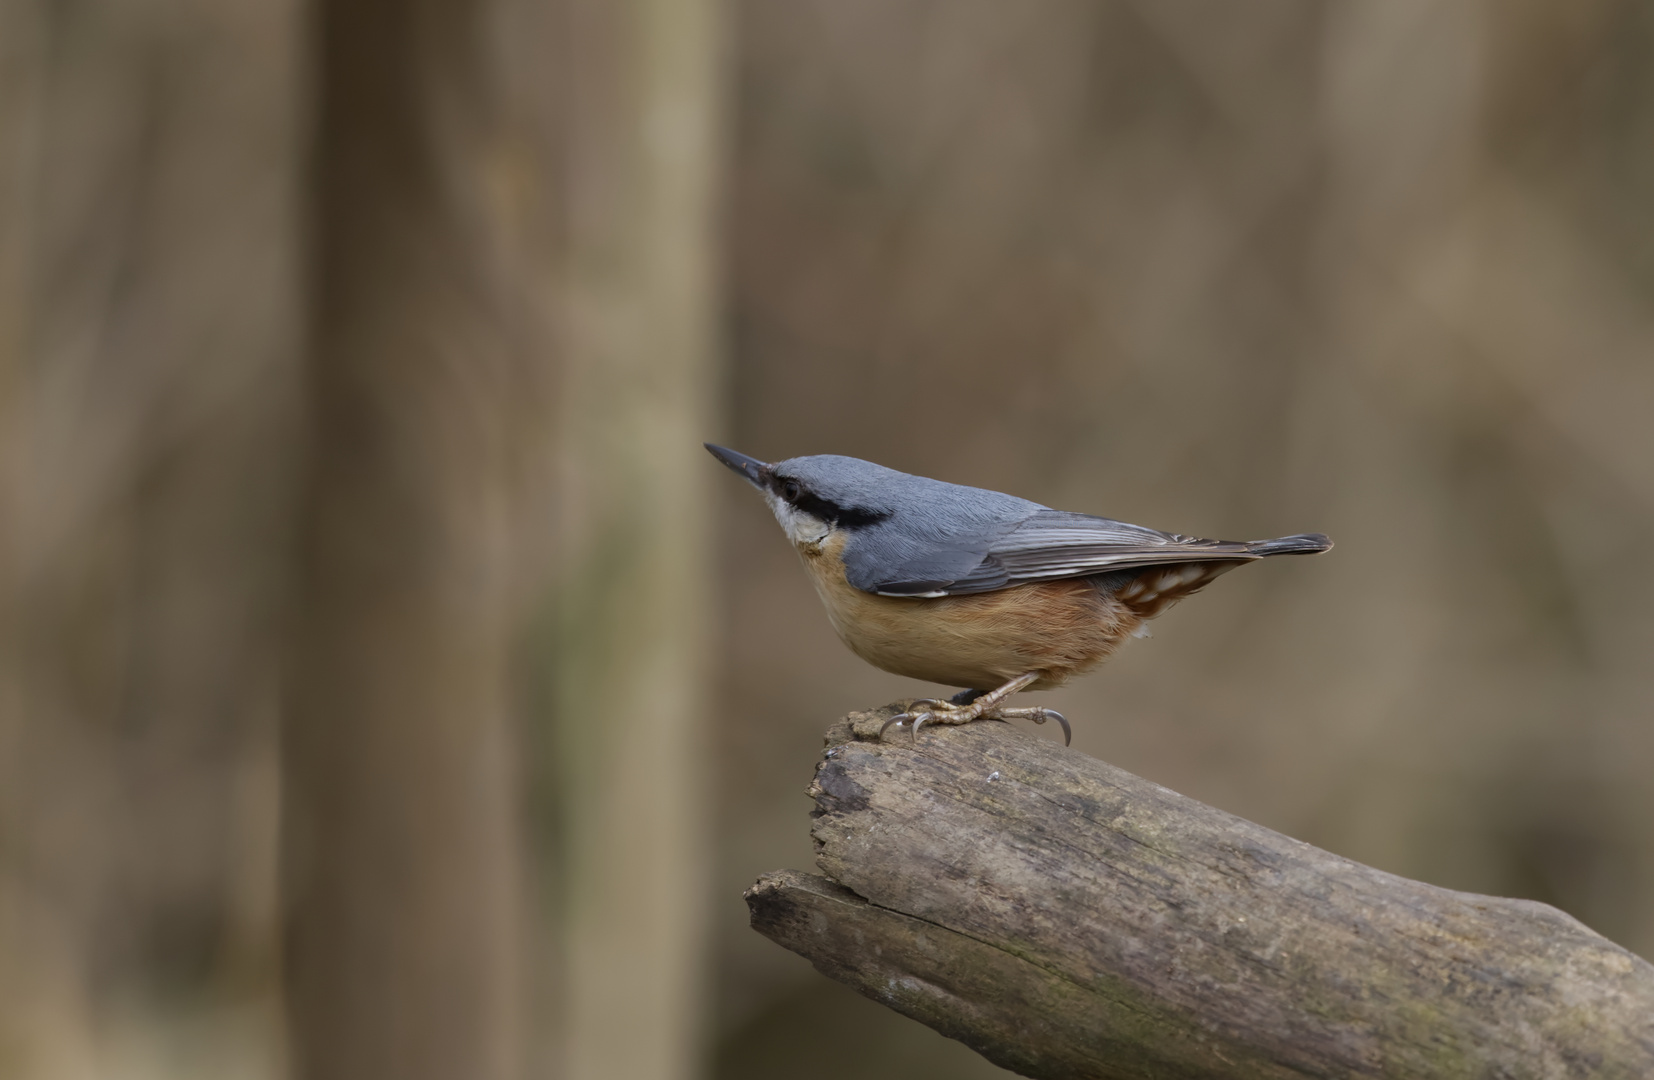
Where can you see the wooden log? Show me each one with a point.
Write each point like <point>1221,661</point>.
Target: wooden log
<point>1067,919</point>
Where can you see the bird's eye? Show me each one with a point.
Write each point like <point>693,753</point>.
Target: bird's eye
<point>791,490</point>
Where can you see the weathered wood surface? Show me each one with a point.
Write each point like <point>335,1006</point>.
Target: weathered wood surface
<point>1068,919</point>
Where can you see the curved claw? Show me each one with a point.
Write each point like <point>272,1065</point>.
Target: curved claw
<point>918,719</point>
<point>1041,715</point>
<point>894,721</point>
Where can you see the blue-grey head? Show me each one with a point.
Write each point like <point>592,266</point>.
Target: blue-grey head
<point>812,496</point>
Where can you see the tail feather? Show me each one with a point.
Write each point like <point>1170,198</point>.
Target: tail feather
<point>1298,544</point>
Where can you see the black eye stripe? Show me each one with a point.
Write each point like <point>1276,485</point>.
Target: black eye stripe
<point>856,519</point>
<point>848,517</point>
<point>811,503</point>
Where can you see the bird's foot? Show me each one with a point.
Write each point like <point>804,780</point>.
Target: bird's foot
<point>924,711</point>
<point>971,705</point>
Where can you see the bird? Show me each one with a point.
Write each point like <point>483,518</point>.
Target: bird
<point>977,589</point>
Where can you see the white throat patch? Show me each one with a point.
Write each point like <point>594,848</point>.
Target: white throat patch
<point>801,528</point>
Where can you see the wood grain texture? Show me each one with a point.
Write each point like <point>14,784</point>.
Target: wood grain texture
<point>1067,919</point>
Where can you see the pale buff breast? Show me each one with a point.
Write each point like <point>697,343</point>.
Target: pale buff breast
<point>982,640</point>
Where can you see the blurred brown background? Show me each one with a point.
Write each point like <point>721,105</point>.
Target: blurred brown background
<point>391,686</point>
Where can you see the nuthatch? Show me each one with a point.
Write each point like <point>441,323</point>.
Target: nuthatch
<point>968,587</point>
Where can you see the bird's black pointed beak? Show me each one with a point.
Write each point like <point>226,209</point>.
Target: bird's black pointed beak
<point>749,467</point>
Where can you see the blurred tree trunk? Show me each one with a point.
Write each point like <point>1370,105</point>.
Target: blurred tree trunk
<point>636,605</point>
<point>146,437</point>
<point>426,393</point>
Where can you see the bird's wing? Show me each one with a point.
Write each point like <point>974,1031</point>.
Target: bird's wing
<point>931,572</point>
<point>1046,545</point>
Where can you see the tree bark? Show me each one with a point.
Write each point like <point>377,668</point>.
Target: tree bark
<point>1067,919</point>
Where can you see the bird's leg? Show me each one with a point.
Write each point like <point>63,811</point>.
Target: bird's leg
<point>964,697</point>
<point>1039,715</point>
<point>982,706</point>
<point>967,705</point>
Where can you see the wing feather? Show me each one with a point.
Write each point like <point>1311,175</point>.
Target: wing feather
<point>1051,544</point>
